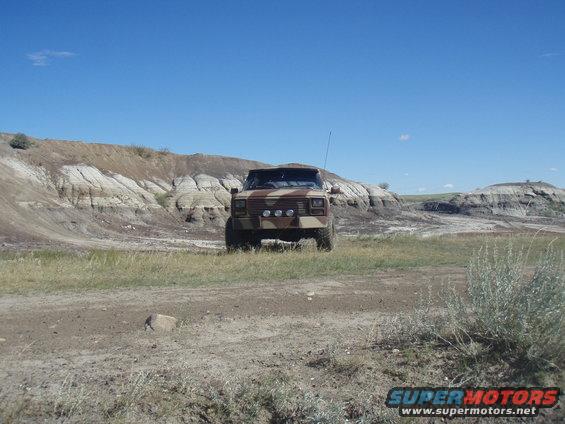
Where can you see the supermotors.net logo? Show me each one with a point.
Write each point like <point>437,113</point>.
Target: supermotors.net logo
<point>471,401</point>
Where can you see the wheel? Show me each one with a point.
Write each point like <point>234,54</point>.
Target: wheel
<point>253,244</point>
<point>239,240</point>
<point>325,238</point>
<point>234,239</point>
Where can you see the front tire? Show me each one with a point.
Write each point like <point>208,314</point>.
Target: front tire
<point>239,240</point>
<point>325,238</point>
<point>233,237</point>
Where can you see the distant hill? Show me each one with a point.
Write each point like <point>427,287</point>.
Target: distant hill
<point>517,199</point>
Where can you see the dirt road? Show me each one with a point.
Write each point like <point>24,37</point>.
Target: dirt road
<point>235,330</point>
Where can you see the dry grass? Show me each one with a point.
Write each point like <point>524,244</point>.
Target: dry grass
<point>175,397</point>
<point>142,151</point>
<point>50,271</point>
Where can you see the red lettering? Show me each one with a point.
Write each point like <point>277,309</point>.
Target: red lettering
<point>490,397</point>
<point>550,397</point>
<point>535,397</point>
<point>473,397</point>
<point>520,397</point>
<point>505,396</point>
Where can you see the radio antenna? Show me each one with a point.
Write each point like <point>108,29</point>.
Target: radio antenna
<point>327,149</point>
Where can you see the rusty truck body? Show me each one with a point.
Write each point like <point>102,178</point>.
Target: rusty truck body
<point>284,203</point>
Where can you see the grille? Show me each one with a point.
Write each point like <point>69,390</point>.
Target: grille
<point>257,206</point>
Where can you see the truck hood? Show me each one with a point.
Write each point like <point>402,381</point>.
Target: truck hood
<point>281,192</point>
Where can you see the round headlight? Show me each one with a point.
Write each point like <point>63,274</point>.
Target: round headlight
<point>266,213</point>
<point>278,212</point>
<point>290,212</point>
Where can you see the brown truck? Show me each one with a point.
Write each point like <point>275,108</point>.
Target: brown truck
<point>288,204</point>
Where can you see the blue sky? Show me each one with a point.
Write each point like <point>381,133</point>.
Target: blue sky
<point>430,96</point>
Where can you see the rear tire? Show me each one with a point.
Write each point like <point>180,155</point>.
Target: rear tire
<point>325,238</point>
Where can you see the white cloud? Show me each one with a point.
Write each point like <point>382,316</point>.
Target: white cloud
<point>404,137</point>
<point>43,57</point>
<point>550,54</point>
<point>448,185</point>
<point>553,169</point>
<point>422,189</point>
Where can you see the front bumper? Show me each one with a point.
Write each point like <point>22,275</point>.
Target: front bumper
<point>281,223</point>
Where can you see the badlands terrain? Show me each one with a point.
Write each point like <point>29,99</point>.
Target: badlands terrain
<point>87,195</point>
<point>94,238</point>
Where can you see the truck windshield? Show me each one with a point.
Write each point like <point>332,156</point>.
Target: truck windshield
<point>283,178</point>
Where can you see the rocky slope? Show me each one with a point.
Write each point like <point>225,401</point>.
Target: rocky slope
<point>60,189</point>
<point>509,199</point>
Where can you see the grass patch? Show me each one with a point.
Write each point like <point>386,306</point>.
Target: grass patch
<point>416,198</point>
<point>49,271</point>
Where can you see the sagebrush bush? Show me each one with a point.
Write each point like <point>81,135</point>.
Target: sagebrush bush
<point>512,310</point>
<point>507,311</point>
<point>22,142</point>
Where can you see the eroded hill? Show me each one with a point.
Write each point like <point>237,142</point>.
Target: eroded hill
<point>63,191</point>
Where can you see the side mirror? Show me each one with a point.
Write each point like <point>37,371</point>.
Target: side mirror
<point>335,190</point>
<point>234,190</point>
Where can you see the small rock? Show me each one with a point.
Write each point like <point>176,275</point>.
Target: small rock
<point>310,294</point>
<point>158,322</point>
<point>395,351</point>
<point>2,339</point>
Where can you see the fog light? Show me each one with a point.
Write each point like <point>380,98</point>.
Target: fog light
<point>278,213</point>
<point>266,213</point>
<point>290,212</point>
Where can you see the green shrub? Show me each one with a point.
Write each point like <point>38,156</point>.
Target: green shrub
<point>161,199</point>
<point>21,141</point>
<point>384,186</point>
